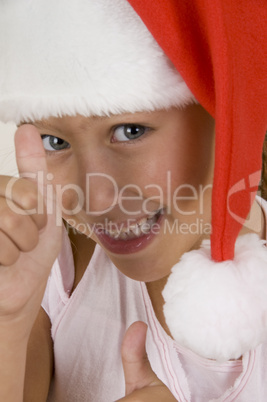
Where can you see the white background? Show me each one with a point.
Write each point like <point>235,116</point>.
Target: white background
<point>7,151</point>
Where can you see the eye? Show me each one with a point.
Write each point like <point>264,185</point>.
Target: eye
<point>52,143</point>
<point>128,132</point>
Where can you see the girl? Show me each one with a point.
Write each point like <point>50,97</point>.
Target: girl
<point>119,145</point>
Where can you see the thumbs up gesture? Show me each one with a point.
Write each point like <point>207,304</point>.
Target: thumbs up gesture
<point>141,383</point>
<point>29,236</point>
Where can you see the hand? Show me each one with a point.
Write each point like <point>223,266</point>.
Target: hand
<point>29,242</point>
<point>142,384</point>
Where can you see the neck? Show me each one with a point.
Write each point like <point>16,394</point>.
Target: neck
<point>155,293</point>
<point>82,250</point>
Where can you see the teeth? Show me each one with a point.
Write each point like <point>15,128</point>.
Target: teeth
<point>135,230</point>
<point>122,235</point>
<point>145,227</point>
<point>143,220</point>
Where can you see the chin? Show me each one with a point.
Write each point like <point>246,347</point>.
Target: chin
<point>140,270</point>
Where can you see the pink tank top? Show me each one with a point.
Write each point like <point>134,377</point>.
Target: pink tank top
<point>88,328</point>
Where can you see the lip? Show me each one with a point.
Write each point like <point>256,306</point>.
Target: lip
<point>128,246</point>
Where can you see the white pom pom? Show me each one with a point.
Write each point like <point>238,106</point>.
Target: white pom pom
<point>219,310</point>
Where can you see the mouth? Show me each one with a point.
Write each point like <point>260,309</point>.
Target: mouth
<point>131,236</point>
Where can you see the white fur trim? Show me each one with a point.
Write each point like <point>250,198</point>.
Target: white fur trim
<point>219,310</point>
<point>93,57</point>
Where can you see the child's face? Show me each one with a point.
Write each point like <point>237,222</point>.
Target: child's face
<point>139,184</point>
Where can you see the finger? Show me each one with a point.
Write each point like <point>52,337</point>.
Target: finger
<point>137,369</point>
<point>21,195</point>
<point>31,162</point>
<point>15,224</point>
<point>157,393</point>
<point>9,253</point>
<point>30,153</point>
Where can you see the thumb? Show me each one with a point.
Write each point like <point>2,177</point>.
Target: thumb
<point>31,162</point>
<point>30,153</point>
<point>137,370</point>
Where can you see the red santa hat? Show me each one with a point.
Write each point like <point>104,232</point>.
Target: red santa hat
<point>114,56</point>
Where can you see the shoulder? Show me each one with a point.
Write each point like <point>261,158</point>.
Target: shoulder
<point>257,218</point>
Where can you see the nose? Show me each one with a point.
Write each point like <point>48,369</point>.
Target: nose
<point>107,190</point>
<point>97,178</point>
<point>101,193</point>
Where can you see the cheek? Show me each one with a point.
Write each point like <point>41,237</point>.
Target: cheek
<point>71,199</point>
<point>166,169</point>
<point>169,174</point>
<point>66,183</point>
<point>180,177</point>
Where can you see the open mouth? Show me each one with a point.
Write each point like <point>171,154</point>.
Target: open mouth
<point>130,236</point>
<point>133,229</point>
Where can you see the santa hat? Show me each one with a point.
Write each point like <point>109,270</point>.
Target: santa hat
<point>87,57</point>
<point>109,56</point>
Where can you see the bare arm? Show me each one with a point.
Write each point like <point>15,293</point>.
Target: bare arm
<point>29,244</point>
<point>12,358</point>
<point>40,360</point>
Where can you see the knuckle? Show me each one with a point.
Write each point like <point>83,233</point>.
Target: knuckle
<point>9,184</point>
<point>29,200</point>
<point>9,220</point>
<point>24,192</point>
<point>9,253</point>
<point>9,258</point>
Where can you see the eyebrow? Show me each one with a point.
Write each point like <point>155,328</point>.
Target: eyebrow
<point>88,121</point>
<point>44,125</point>
<point>38,123</point>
